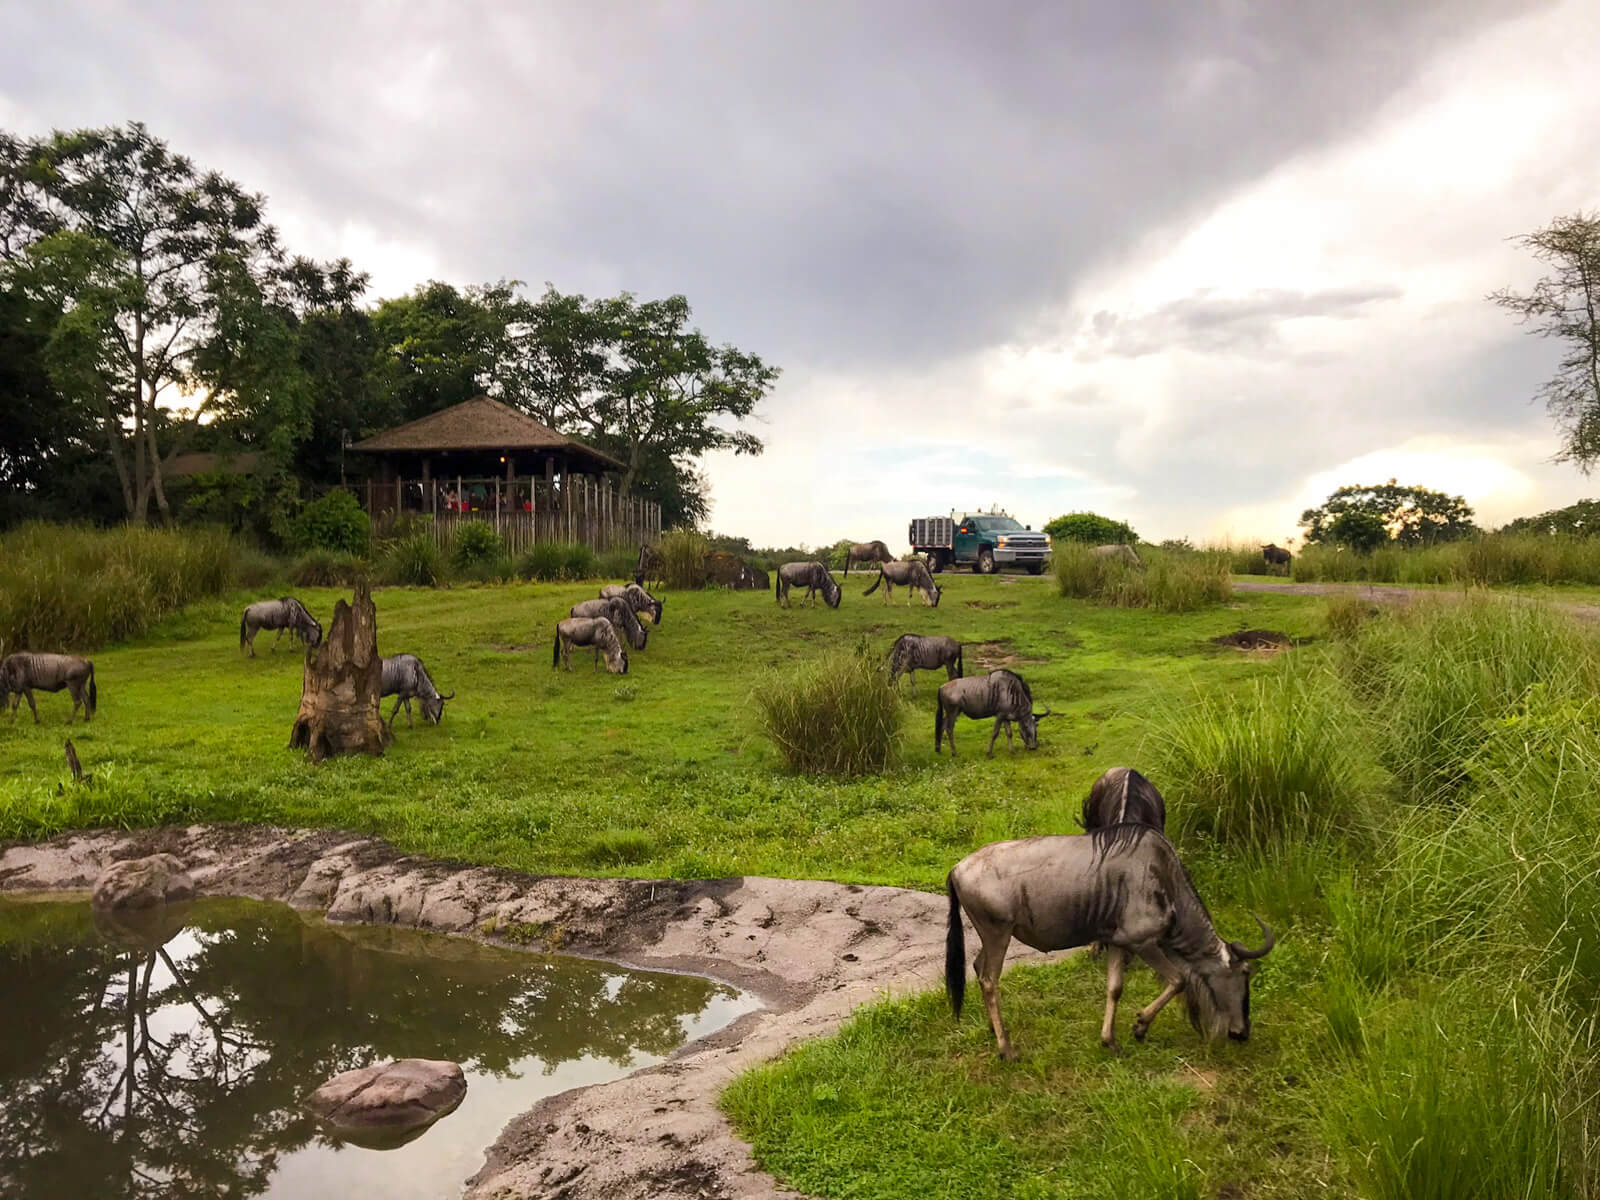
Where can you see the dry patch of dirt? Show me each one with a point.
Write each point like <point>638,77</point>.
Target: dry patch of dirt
<point>812,952</point>
<point>1268,641</point>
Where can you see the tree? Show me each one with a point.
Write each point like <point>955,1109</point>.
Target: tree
<point>1091,529</point>
<point>1565,304</point>
<point>1576,520</point>
<point>1357,529</point>
<point>1411,516</point>
<point>442,345</point>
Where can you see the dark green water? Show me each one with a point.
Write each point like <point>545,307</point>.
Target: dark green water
<point>173,1062</point>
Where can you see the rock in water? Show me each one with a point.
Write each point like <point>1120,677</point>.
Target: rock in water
<point>142,883</point>
<point>389,1099</point>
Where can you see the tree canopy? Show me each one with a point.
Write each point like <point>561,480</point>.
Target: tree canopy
<point>1090,528</point>
<point>1576,520</point>
<point>1410,516</point>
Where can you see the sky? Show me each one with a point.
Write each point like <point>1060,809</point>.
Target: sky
<point>1192,264</point>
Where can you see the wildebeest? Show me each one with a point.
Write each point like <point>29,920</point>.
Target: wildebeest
<point>913,574</point>
<point>867,552</point>
<point>1123,886</point>
<point>812,576</point>
<point>1000,694</point>
<point>752,579</point>
<point>287,613</point>
<point>23,673</point>
<point>1119,552</point>
<point>913,652</point>
<point>638,599</point>
<point>620,613</point>
<point>649,565</point>
<point>589,631</point>
<point>1275,556</point>
<point>406,679</point>
<point>1120,796</point>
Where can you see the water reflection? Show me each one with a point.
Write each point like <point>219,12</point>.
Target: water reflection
<point>154,1059</point>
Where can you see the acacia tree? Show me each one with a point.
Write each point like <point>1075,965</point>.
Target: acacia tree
<point>1411,516</point>
<point>124,238</point>
<point>1565,304</point>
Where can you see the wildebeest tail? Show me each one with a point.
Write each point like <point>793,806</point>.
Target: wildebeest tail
<point>955,951</point>
<point>875,584</point>
<point>555,650</point>
<point>94,694</point>
<point>241,631</point>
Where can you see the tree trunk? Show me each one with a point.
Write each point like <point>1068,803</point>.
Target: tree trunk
<point>339,698</point>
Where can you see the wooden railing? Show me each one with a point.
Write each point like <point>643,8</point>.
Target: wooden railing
<point>522,511</point>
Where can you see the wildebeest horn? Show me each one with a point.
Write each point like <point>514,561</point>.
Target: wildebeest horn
<point>1246,953</point>
<point>451,696</point>
<point>1041,716</point>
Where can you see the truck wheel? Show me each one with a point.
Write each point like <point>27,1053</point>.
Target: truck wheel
<point>1036,568</point>
<point>985,563</point>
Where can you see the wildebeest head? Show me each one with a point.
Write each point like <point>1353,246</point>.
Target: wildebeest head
<point>433,708</point>
<point>1029,725</point>
<point>832,593</point>
<point>1218,994</point>
<point>938,593</point>
<point>621,667</point>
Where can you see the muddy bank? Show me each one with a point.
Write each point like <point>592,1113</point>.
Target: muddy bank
<point>812,951</point>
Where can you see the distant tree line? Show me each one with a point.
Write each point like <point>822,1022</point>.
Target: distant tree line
<point>147,308</point>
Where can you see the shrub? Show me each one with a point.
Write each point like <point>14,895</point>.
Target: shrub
<point>834,716</point>
<point>1171,583</point>
<point>1091,529</point>
<point>616,564</point>
<point>414,561</point>
<point>550,561</point>
<point>335,522</point>
<point>254,570</point>
<point>493,570</point>
<point>474,543</point>
<point>326,568</point>
<point>683,559</point>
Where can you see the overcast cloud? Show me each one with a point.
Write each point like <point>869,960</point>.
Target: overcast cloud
<point>1193,264</point>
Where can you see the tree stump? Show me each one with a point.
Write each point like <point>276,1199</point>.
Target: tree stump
<point>339,698</point>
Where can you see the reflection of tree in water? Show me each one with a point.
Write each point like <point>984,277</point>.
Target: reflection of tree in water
<point>180,1069</point>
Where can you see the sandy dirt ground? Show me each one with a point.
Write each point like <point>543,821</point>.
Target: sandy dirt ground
<point>811,951</point>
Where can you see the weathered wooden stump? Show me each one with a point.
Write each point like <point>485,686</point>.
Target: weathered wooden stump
<point>339,699</point>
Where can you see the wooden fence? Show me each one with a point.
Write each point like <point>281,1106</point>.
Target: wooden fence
<point>524,512</point>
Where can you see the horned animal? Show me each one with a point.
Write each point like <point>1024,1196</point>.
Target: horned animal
<point>287,613</point>
<point>913,574</point>
<point>1275,556</point>
<point>589,631</point>
<point>406,679</point>
<point>812,576</point>
<point>1119,552</point>
<point>638,599</point>
<point>650,565</point>
<point>867,552</point>
<point>1122,795</point>
<point>1123,886</point>
<point>23,673</point>
<point>913,652</point>
<point>620,613</point>
<point>1000,694</point>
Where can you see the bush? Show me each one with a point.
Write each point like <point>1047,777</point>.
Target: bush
<point>335,522</point>
<point>551,561</point>
<point>1091,529</point>
<point>837,715</point>
<point>493,570</point>
<point>617,564</point>
<point>683,559</point>
<point>414,561</point>
<point>475,543</point>
<point>1169,582</point>
<point>326,568</point>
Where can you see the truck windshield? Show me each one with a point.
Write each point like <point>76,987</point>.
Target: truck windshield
<point>998,524</point>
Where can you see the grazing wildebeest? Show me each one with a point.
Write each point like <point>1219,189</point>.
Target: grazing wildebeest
<point>1275,556</point>
<point>589,631</point>
<point>812,576</point>
<point>867,552</point>
<point>1119,552</point>
<point>649,566</point>
<point>913,574</point>
<point>1000,694</point>
<point>287,613</point>
<point>752,579</point>
<point>1123,886</point>
<point>23,673</point>
<point>912,653</point>
<point>620,613</point>
<point>406,679</point>
<point>1120,796</point>
<point>638,599</point>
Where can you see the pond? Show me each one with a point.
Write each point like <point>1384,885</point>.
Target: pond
<point>174,1061</point>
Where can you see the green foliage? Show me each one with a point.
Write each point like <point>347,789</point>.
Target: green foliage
<point>1493,560</point>
<point>326,568</point>
<point>558,560</point>
<point>616,564</point>
<point>1576,520</point>
<point>1365,516</point>
<point>475,543</point>
<point>837,715</point>
<point>1168,582</point>
<point>414,560</point>
<point>1091,529</point>
<point>1345,615</point>
<point>683,559</point>
<point>335,522</point>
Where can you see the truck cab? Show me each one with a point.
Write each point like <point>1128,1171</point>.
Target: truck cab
<point>985,541</point>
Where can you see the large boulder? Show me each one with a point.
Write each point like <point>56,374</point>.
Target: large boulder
<point>142,883</point>
<point>389,1100</point>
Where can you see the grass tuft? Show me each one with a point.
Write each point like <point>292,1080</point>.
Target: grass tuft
<point>683,559</point>
<point>834,716</point>
<point>1169,581</point>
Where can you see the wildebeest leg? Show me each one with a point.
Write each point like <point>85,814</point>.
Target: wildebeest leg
<point>394,712</point>
<point>997,723</point>
<point>278,639</point>
<point>988,964</point>
<point>408,712</point>
<point>597,656</point>
<point>79,696</point>
<point>1169,973</point>
<point>1116,964</point>
<point>28,695</point>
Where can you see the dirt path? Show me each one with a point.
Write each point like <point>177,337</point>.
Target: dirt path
<point>1394,593</point>
<point>811,951</point>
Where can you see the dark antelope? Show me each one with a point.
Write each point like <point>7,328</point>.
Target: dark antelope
<point>406,679</point>
<point>287,613</point>
<point>913,574</point>
<point>1123,886</point>
<point>867,552</point>
<point>589,631</point>
<point>23,673</point>
<point>812,576</point>
<point>620,613</point>
<point>1001,694</point>
<point>638,599</point>
<point>912,653</point>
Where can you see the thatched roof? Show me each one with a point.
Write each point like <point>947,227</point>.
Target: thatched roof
<point>179,465</point>
<point>486,425</point>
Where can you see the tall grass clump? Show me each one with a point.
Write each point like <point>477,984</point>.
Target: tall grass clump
<point>1170,582</point>
<point>412,561</point>
<point>326,568</point>
<point>552,561</point>
<point>1493,560</point>
<point>617,564</point>
<point>77,588</point>
<point>837,715</point>
<point>683,559</point>
<point>1344,614</point>
<point>1269,763</point>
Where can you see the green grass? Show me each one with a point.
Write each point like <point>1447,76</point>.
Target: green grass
<point>1170,581</point>
<point>836,715</point>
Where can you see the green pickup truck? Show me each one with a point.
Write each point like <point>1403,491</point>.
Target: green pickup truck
<point>984,541</point>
